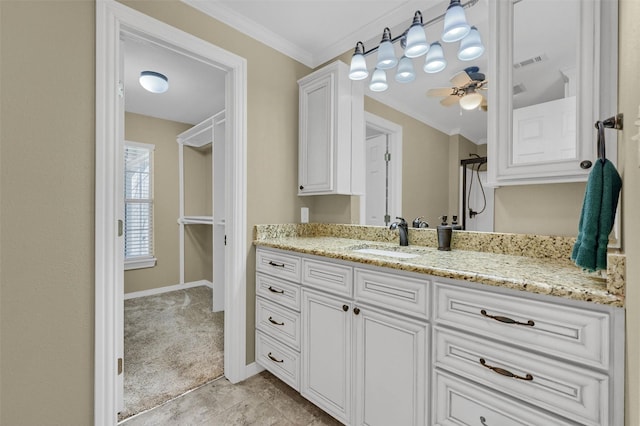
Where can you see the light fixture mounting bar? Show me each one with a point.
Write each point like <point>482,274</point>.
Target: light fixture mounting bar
<point>439,18</point>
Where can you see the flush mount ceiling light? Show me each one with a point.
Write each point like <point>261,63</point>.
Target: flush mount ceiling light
<point>414,44</point>
<point>154,82</point>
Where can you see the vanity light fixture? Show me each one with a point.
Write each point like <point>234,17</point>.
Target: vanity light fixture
<point>386,52</point>
<point>378,81</point>
<point>358,70</point>
<point>416,39</point>
<point>455,23</point>
<point>471,46</point>
<point>435,61</point>
<point>154,82</point>
<point>405,73</point>
<point>414,44</point>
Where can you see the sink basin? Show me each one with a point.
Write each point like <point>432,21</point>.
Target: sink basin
<point>388,253</point>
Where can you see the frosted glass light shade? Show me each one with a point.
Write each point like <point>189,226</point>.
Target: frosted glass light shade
<point>378,81</point>
<point>435,61</point>
<point>471,46</point>
<point>455,23</point>
<point>405,73</point>
<point>386,56</point>
<point>358,69</point>
<point>471,100</point>
<point>154,82</point>
<point>416,39</point>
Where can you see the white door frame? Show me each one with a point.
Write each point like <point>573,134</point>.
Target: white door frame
<point>112,19</point>
<point>394,133</point>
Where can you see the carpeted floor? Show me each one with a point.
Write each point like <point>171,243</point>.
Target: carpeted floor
<point>172,343</point>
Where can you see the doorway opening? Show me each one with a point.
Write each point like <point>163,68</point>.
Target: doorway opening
<point>113,21</point>
<point>382,201</point>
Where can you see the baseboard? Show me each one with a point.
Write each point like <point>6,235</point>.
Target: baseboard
<point>167,289</point>
<point>253,369</point>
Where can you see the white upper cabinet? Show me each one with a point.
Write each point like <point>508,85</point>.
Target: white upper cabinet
<point>331,140</point>
<point>544,132</point>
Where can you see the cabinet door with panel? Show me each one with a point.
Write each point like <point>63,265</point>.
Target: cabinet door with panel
<point>391,368</point>
<point>331,133</point>
<point>327,353</point>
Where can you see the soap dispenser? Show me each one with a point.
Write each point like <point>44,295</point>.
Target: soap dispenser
<point>444,235</point>
<point>454,223</point>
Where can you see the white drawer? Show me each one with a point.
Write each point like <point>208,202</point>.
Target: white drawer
<point>278,322</point>
<point>278,264</point>
<point>279,291</point>
<point>574,392</point>
<point>283,362</point>
<point>578,335</point>
<point>405,294</point>
<point>459,402</point>
<point>327,276</point>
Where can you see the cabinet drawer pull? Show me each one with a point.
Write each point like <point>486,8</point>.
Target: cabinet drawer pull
<point>272,321</point>
<point>271,357</point>
<point>279,265</point>
<point>356,311</point>
<point>345,308</point>
<point>274,290</point>
<point>504,372</point>
<point>507,320</point>
<point>482,421</point>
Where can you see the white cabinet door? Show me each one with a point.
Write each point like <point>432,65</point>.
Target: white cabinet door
<point>331,133</point>
<point>326,353</point>
<point>391,369</point>
<point>316,135</point>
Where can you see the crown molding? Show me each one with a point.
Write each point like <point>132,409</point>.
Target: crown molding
<point>252,29</point>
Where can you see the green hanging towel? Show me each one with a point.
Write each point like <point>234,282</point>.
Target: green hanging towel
<point>597,216</point>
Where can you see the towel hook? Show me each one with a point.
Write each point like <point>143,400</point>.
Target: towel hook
<point>614,122</point>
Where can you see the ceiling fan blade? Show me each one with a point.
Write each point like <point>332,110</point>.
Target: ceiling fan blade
<point>440,91</point>
<point>450,100</point>
<point>461,79</point>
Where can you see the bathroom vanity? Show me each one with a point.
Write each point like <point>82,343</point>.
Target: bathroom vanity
<point>378,334</point>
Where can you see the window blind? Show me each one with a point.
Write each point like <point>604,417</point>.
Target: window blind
<point>138,192</point>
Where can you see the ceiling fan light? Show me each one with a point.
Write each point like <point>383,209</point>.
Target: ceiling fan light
<point>358,68</point>
<point>471,100</point>
<point>405,73</point>
<point>471,46</point>
<point>154,82</point>
<point>386,53</point>
<point>435,61</point>
<point>455,23</point>
<point>416,39</point>
<point>378,81</point>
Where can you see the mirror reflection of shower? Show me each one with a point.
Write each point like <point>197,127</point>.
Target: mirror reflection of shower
<point>476,199</point>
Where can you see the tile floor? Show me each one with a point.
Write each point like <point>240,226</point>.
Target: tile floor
<point>260,400</point>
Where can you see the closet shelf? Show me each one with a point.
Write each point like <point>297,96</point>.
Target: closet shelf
<point>196,220</point>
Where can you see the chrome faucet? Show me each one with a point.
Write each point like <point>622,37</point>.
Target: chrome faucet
<point>403,230</point>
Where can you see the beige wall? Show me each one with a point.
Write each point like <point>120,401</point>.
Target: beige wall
<point>629,103</point>
<point>198,243</point>
<point>47,188</point>
<point>47,180</point>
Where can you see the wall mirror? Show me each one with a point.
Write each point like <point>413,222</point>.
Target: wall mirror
<point>554,71</point>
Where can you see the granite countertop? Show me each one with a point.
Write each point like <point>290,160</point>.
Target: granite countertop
<point>551,276</point>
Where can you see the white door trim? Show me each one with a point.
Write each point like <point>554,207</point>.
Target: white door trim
<point>394,133</point>
<point>112,19</point>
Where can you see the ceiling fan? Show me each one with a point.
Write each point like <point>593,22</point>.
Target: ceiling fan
<point>465,90</point>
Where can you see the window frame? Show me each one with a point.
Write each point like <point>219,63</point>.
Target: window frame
<point>146,261</point>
